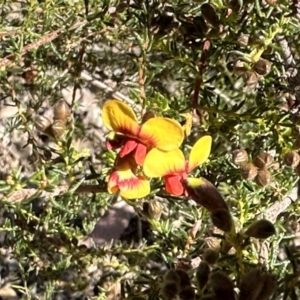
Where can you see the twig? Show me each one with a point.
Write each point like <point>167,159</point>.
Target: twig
<point>8,60</point>
<point>24,194</point>
<point>85,76</point>
<point>278,207</point>
<point>291,71</point>
<point>141,82</point>
<point>286,51</point>
<point>199,79</point>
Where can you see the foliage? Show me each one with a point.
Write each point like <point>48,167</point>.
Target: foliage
<point>221,69</point>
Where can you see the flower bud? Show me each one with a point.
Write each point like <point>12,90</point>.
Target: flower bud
<point>172,276</point>
<point>263,160</point>
<point>248,171</point>
<point>61,111</point>
<point>213,243</point>
<point>251,285</point>
<point>202,274</point>
<point>251,78</point>
<point>205,193</point>
<point>222,286</point>
<point>257,285</point>
<point>152,209</point>
<point>210,256</point>
<point>292,159</point>
<point>261,229</point>
<point>209,14</point>
<point>58,128</point>
<point>240,157</point>
<point>269,286</point>
<point>221,218</point>
<point>183,277</point>
<point>187,293</point>
<point>263,177</point>
<point>262,67</point>
<point>169,290</point>
<point>42,123</point>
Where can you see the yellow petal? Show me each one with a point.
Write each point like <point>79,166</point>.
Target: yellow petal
<point>124,180</point>
<point>119,117</point>
<point>162,133</point>
<point>138,187</point>
<point>200,152</point>
<point>159,163</point>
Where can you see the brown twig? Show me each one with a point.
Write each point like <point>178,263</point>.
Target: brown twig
<point>78,70</point>
<point>8,60</point>
<point>199,79</point>
<point>24,194</point>
<point>141,82</point>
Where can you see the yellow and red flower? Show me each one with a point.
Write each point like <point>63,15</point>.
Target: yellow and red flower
<point>162,133</point>
<point>173,167</point>
<point>123,179</point>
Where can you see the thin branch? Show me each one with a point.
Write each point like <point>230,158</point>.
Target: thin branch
<point>8,60</point>
<point>286,51</point>
<point>279,207</point>
<point>199,79</point>
<point>117,95</point>
<point>24,194</point>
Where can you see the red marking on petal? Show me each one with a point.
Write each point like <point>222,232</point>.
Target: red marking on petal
<point>137,187</point>
<point>186,167</point>
<point>130,132</point>
<point>130,183</point>
<point>116,182</point>
<point>124,179</point>
<point>173,185</point>
<point>113,182</point>
<point>113,178</point>
<point>129,146</point>
<point>140,154</point>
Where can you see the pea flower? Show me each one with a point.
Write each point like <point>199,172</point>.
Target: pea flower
<point>162,133</point>
<point>173,167</point>
<point>123,178</point>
